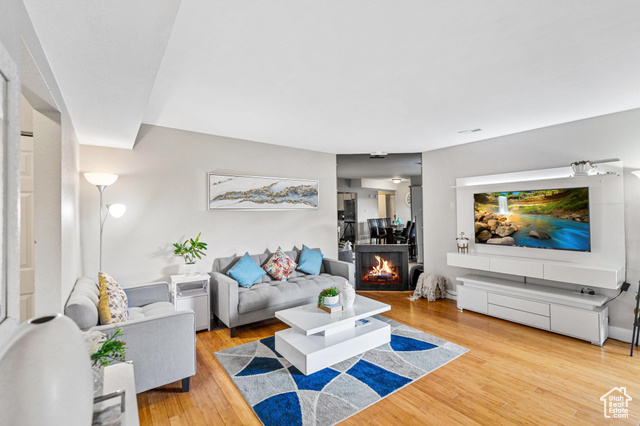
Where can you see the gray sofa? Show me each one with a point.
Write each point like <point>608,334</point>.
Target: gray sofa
<point>235,305</point>
<point>159,340</point>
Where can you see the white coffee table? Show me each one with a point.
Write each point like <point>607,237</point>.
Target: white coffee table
<point>317,339</point>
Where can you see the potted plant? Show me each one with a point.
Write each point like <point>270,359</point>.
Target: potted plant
<point>582,167</point>
<point>329,296</point>
<point>190,250</point>
<point>103,351</point>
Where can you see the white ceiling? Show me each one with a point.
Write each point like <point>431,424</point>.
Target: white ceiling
<point>341,76</point>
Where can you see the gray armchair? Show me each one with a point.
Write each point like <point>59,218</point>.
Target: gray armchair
<point>160,340</point>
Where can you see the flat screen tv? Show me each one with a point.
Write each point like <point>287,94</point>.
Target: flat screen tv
<point>550,218</point>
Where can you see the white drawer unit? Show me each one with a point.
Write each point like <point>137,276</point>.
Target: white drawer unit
<point>562,311</point>
<point>472,299</point>
<point>192,292</point>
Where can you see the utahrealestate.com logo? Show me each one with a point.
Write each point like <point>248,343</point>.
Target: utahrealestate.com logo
<point>616,403</point>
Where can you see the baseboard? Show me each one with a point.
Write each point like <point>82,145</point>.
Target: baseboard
<point>619,333</point>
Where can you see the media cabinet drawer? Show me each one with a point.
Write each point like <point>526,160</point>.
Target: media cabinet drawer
<point>575,322</point>
<point>471,261</point>
<point>472,299</point>
<point>514,315</point>
<point>518,267</point>
<point>519,304</point>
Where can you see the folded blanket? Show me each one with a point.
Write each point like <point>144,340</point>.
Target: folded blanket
<point>430,286</point>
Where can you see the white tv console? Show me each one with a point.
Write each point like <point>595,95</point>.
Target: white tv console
<point>558,310</point>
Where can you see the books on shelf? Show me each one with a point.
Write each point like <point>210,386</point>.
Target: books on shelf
<point>331,308</point>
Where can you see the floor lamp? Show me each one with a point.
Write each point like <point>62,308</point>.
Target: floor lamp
<point>101,181</point>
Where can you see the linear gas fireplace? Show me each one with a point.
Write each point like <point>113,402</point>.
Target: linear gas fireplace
<point>382,267</point>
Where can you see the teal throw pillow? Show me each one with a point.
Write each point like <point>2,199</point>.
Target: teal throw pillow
<point>310,261</point>
<point>246,271</point>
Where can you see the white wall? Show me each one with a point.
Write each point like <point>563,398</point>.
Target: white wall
<point>403,210</point>
<point>163,183</point>
<point>17,35</point>
<point>600,138</point>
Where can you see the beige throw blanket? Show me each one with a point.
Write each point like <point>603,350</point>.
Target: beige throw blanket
<point>431,287</point>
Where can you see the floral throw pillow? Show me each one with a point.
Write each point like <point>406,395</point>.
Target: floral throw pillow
<point>113,302</point>
<point>280,266</point>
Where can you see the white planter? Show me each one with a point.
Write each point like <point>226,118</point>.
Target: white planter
<point>332,300</point>
<point>190,269</point>
<point>581,169</point>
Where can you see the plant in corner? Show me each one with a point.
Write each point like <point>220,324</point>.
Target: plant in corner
<point>331,292</point>
<point>191,249</point>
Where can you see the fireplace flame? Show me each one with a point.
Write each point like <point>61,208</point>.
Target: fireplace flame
<point>383,267</point>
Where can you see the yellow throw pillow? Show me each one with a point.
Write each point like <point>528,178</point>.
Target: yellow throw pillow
<point>113,302</point>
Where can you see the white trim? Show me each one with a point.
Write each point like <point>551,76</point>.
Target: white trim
<point>619,333</point>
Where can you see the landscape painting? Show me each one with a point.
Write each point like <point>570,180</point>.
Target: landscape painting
<point>261,193</point>
<point>555,219</point>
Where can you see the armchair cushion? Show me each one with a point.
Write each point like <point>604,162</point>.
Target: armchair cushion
<point>158,308</point>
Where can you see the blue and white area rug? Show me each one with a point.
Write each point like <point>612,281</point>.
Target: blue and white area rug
<point>281,395</point>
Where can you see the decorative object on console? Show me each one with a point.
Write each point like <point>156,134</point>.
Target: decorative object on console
<point>463,243</point>
<point>246,271</point>
<point>46,374</point>
<point>102,352</point>
<point>582,167</point>
<point>101,181</point>
<point>347,295</point>
<point>280,266</point>
<point>310,261</point>
<point>113,303</point>
<point>329,296</point>
<point>261,193</point>
<point>190,250</point>
<point>285,396</point>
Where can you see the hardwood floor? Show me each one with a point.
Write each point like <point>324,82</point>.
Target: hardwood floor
<point>512,374</point>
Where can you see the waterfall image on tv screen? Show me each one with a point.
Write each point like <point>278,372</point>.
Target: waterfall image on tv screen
<point>554,218</point>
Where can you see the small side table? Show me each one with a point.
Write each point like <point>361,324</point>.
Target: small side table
<point>192,292</point>
<point>119,386</point>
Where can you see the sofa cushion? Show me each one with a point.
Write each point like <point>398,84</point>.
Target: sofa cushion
<point>113,302</point>
<point>246,271</point>
<point>310,261</point>
<point>223,264</point>
<point>82,306</point>
<point>280,292</point>
<point>158,308</point>
<point>280,266</point>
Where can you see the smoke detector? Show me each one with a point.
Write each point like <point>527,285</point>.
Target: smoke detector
<point>378,154</point>
<point>469,131</point>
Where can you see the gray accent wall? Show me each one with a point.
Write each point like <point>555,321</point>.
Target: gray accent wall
<point>600,138</point>
<point>163,183</point>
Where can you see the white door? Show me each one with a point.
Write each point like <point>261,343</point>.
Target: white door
<point>27,243</point>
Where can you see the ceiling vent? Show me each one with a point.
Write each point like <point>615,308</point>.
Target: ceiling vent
<point>377,155</point>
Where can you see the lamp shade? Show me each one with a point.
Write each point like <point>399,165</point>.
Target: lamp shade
<point>117,210</point>
<point>637,173</point>
<point>101,179</point>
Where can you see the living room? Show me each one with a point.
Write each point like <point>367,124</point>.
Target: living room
<point>495,98</point>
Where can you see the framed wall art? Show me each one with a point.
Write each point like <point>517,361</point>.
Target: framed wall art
<point>237,192</point>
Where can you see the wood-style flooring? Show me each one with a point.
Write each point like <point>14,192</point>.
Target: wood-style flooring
<point>512,374</point>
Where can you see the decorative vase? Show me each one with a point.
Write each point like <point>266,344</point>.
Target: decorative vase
<point>331,300</point>
<point>46,374</point>
<point>98,376</point>
<point>581,169</point>
<point>347,295</point>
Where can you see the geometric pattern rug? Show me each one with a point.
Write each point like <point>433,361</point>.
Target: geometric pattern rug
<point>280,394</point>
